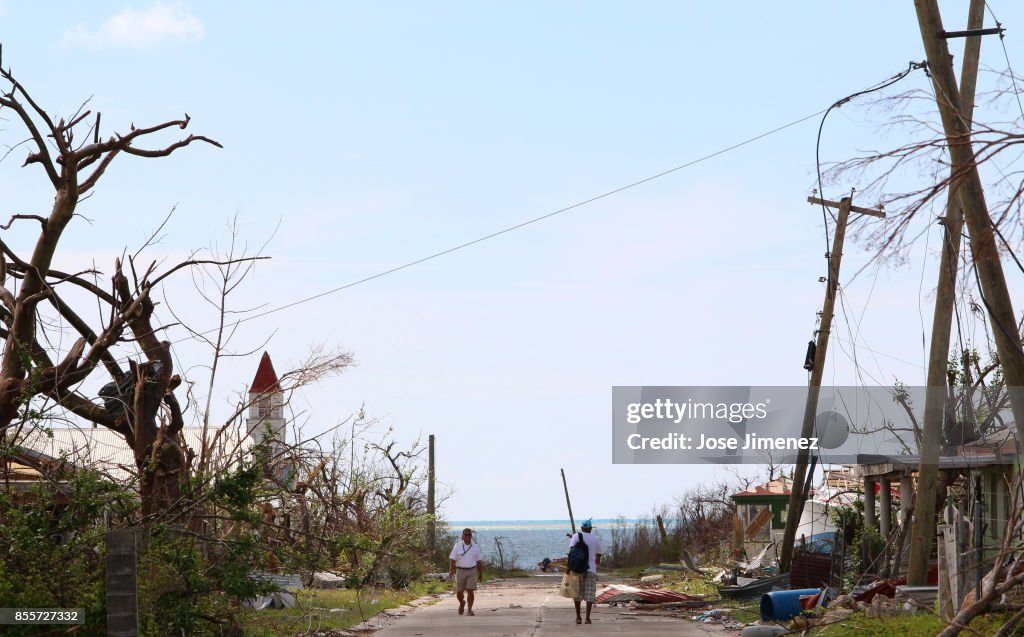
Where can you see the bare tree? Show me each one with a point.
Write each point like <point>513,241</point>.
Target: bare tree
<point>140,401</point>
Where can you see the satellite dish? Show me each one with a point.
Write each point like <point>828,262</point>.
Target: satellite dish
<point>831,429</point>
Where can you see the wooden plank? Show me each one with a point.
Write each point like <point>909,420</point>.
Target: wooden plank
<point>952,554</point>
<point>762,518</point>
<point>945,591</point>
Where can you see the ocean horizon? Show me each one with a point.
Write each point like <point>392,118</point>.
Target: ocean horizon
<point>537,524</point>
<point>524,543</point>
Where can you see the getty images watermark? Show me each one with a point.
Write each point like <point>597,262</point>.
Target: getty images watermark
<point>760,425</point>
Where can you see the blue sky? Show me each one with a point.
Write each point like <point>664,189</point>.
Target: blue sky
<point>375,134</point>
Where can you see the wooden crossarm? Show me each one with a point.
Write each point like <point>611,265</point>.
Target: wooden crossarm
<point>836,204</point>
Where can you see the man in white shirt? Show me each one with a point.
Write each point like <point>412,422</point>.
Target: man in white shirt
<point>466,563</point>
<point>588,581</point>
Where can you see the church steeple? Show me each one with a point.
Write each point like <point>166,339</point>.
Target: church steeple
<point>265,381</point>
<point>266,403</point>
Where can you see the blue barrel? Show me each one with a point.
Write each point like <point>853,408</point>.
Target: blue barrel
<point>783,605</point>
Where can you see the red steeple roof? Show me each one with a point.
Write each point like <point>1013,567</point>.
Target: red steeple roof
<point>265,381</point>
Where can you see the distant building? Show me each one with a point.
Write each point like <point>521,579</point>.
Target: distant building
<point>105,450</point>
<point>762,509</point>
<point>266,406</point>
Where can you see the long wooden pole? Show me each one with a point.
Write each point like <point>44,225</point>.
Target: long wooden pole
<point>984,251</point>
<point>796,496</point>
<point>565,485</point>
<point>935,413</point>
<point>431,511</point>
<point>796,493</point>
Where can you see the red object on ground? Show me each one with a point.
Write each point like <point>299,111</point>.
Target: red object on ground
<point>884,587</point>
<point>807,602</point>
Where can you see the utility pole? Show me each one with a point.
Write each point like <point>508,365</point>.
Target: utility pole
<point>432,528</point>
<point>984,251</point>
<point>797,493</point>
<point>935,413</point>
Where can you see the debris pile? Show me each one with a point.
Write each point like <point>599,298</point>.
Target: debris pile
<point>620,594</point>
<point>327,579</point>
<point>720,616</point>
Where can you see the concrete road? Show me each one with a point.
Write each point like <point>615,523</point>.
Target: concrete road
<point>531,607</point>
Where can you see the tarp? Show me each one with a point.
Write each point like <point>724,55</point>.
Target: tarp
<point>815,520</point>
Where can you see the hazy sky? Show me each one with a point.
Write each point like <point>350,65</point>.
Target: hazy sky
<point>374,134</point>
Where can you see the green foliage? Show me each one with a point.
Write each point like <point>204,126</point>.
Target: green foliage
<point>390,552</point>
<point>912,625</point>
<point>633,544</point>
<point>199,561</point>
<point>194,583</point>
<point>689,583</point>
<point>52,553</point>
<point>171,585</point>
<point>358,606</point>
<point>865,544</point>
<point>848,518</point>
<point>51,546</point>
<point>194,587</point>
<point>701,522</point>
<point>901,394</point>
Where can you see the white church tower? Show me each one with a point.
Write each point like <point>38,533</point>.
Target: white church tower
<point>266,405</point>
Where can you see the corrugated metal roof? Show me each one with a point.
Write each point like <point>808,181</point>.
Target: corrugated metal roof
<point>779,487</point>
<point>623,593</point>
<point>874,466</point>
<point>997,441</point>
<point>106,450</point>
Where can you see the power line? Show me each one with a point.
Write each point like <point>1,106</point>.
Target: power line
<point>1009,67</point>
<point>892,80</point>
<point>528,222</point>
<point>838,104</point>
<point>1016,94</point>
<point>507,230</point>
<point>1011,336</point>
<point>885,83</point>
<point>911,66</point>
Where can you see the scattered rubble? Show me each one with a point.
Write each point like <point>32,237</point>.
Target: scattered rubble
<point>720,616</point>
<point>882,606</point>
<point>847,601</point>
<point>917,596</point>
<point>880,587</point>
<point>620,593</point>
<point>328,580</point>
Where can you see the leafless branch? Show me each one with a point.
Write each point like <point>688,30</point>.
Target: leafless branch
<point>41,220</point>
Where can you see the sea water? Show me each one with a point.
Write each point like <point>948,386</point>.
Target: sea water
<point>524,543</point>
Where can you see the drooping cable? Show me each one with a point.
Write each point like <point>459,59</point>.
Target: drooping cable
<point>1009,67</point>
